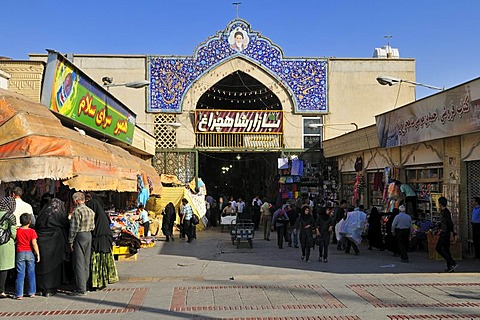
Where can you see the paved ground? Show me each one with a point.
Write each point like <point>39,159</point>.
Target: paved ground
<point>212,279</point>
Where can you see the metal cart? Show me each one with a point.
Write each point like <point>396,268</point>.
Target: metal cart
<point>242,229</point>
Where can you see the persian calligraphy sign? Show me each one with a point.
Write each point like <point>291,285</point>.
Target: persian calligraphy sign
<point>449,113</point>
<point>227,121</point>
<point>72,94</point>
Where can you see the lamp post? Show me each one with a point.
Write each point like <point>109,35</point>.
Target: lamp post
<point>108,82</point>
<point>390,81</point>
<point>320,125</point>
<point>323,125</point>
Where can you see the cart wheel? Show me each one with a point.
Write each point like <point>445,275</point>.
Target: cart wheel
<point>250,242</point>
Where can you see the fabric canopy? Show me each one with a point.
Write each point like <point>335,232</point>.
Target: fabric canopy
<point>175,195</point>
<point>35,145</point>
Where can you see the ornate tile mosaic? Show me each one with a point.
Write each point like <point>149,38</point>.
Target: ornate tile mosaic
<point>171,77</point>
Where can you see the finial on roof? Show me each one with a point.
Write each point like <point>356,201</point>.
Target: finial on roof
<point>236,4</point>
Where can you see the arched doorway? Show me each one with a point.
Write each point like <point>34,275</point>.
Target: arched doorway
<point>239,163</point>
<point>239,91</point>
<point>239,169</point>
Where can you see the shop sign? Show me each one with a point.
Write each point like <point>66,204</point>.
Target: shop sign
<point>223,121</point>
<point>449,113</point>
<point>71,93</point>
<point>262,141</point>
<point>311,142</point>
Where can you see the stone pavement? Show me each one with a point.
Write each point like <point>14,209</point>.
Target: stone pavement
<point>212,279</point>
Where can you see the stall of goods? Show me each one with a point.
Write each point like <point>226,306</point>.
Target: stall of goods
<point>455,248</point>
<point>122,253</point>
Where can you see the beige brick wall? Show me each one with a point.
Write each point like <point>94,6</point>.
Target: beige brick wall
<point>26,77</point>
<point>356,96</point>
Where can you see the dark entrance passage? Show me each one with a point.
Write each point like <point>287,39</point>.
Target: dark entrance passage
<point>239,91</point>
<point>242,175</point>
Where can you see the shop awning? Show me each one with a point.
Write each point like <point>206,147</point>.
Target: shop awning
<point>35,145</point>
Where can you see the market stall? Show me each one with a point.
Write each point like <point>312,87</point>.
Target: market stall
<point>44,157</point>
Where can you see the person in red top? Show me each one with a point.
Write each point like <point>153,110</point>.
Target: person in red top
<point>25,259</point>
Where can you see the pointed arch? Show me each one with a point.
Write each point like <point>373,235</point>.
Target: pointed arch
<point>225,68</point>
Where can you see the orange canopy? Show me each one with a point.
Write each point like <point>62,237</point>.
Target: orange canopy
<point>35,145</point>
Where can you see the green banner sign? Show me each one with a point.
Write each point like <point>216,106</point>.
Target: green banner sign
<point>71,93</point>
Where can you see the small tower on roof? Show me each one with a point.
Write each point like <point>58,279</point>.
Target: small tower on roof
<point>386,52</point>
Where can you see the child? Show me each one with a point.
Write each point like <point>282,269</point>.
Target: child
<point>25,259</point>
<point>144,219</point>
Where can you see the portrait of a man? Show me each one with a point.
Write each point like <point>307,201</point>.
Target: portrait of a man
<point>238,39</point>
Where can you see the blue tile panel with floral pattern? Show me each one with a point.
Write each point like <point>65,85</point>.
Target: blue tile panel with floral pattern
<point>171,77</point>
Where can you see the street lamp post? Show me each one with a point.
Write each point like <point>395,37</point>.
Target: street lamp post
<point>108,82</point>
<point>390,81</point>
<point>320,125</point>
<point>323,125</point>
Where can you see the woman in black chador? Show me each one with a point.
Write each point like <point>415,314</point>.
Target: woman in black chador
<point>168,221</point>
<point>375,237</point>
<point>102,266</point>
<point>391,243</point>
<point>52,230</point>
<point>305,225</point>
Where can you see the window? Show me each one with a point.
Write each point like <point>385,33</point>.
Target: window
<point>312,132</point>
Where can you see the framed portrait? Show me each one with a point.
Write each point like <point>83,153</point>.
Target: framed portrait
<point>238,39</point>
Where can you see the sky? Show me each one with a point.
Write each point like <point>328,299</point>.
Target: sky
<point>442,35</point>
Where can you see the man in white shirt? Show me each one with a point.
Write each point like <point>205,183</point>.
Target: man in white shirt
<point>22,207</point>
<point>256,203</point>
<point>401,229</point>
<point>233,203</point>
<point>240,206</point>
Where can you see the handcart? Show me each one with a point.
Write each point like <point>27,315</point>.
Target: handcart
<point>242,229</point>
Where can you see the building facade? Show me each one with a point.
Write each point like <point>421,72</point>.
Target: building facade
<point>238,73</point>
<point>431,144</point>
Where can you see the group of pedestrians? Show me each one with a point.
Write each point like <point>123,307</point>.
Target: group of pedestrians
<point>225,206</point>
<point>296,228</point>
<point>56,246</point>
<point>398,233</point>
<point>347,225</point>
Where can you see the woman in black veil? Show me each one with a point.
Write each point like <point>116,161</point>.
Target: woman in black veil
<point>168,221</point>
<point>102,264</point>
<point>52,230</point>
<point>391,243</point>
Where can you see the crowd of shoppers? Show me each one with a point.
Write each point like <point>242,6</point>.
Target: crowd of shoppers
<point>346,226</point>
<point>53,248</point>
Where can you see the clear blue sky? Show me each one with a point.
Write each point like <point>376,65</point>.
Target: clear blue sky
<point>442,35</point>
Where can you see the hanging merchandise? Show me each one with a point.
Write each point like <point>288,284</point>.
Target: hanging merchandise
<point>361,182</point>
<point>387,183</point>
<point>297,167</point>
<point>358,164</point>
<point>282,163</point>
<point>142,188</point>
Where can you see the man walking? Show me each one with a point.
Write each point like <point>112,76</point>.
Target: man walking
<point>401,226</point>
<point>240,207</point>
<point>82,223</point>
<point>446,234</point>
<point>256,203</point>
<point>187,220</point>
<point>266,219</point>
